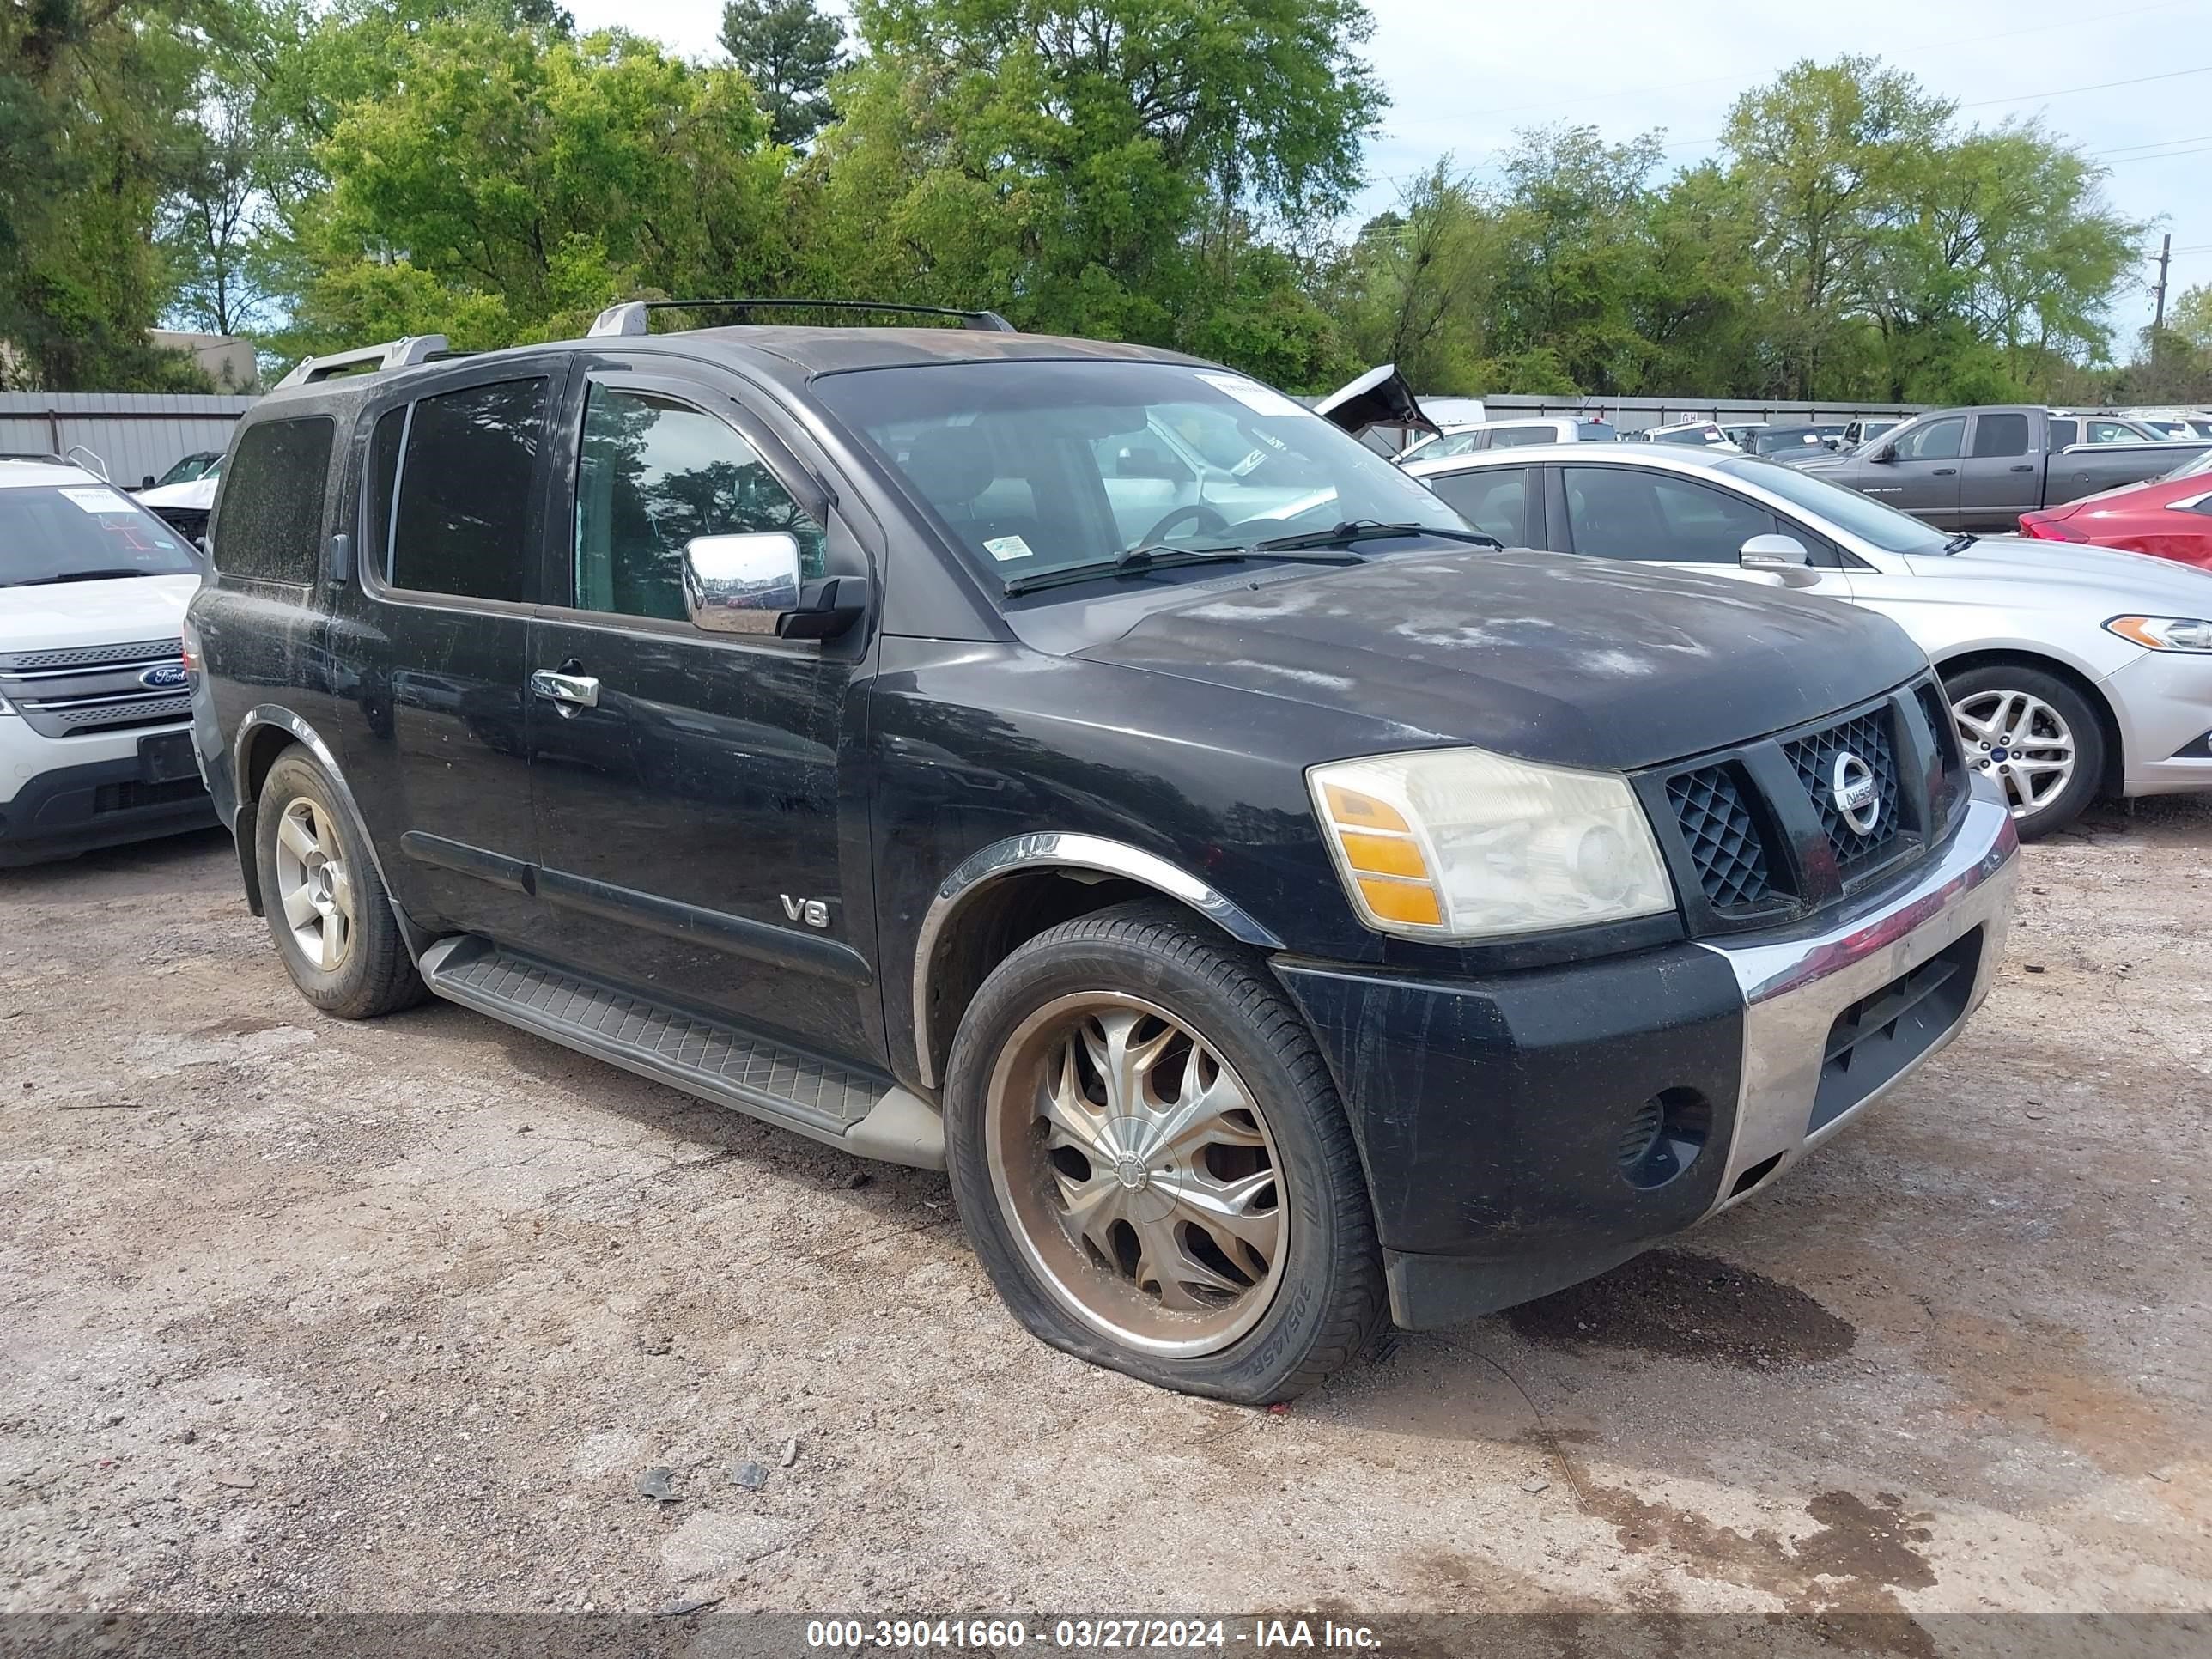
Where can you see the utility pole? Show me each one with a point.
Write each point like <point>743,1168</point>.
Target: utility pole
<point>2164,259</point>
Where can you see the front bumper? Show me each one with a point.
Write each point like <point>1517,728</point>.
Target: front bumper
<point>1497,1117</point>
<point>2162,701</point>
<point>75,809</point>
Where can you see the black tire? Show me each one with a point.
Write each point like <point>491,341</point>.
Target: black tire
<point>373,975</point>
<point>2082,724</point>
<point>1327,1300</point>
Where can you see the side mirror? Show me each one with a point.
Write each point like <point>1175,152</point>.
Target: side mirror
<point>146,482</point>
<point>751,585</point>
<point>1772,552</point>
<point>1884,452</point>
<point>740,584</point>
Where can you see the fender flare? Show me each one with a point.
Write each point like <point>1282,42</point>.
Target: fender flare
<point>1052,849</point>
<point>275,715</point>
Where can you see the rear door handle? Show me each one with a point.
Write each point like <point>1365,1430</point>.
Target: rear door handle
<point>1946,472</point>
<point>2028,466</point>
<point>568,693</point>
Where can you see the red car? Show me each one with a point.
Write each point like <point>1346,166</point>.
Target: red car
<point>2171,517</point>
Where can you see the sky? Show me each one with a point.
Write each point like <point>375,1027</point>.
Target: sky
<point>1464,76</point>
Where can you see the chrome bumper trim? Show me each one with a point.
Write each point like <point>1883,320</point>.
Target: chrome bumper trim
<point>1793,988</point>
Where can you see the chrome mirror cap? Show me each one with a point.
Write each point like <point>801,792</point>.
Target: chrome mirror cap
<point>740,584</point>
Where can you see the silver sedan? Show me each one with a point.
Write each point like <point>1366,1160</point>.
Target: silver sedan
<point>2072,671</point>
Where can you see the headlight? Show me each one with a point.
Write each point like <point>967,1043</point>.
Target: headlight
<point>1463,844</point>
<point>2164,632</point>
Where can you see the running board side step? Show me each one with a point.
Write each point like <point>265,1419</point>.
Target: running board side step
<point>722,1063</point>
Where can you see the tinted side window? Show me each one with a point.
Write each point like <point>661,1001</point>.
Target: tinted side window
<point>2000,434</point>
<point>1495,502</point>
<point>2063,433</point>
<point>462,526</point>
<point>383,478</point>
<point>655,474</point>
<point>272,500</point>
<point>1938,440</point>
<point>1620,513</point>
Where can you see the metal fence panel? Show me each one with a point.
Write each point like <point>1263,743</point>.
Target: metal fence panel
<point>135,435</point>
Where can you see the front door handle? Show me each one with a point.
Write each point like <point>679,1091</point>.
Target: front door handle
<point>2025,467</point>
<point>569,694</point>
<point>1946,472</point>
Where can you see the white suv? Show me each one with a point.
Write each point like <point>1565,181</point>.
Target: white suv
<point>95,721</point>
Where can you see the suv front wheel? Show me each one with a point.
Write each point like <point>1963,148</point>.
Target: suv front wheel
<point>1151,1161</point>
<point>334,925</point>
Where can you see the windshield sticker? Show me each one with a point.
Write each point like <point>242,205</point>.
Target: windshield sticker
<point>1004,547</point>
<point>1260,399</point>
<point>1248,463</point>
<point>93,500</point>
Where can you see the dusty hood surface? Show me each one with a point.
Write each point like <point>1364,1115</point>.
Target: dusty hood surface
<point>1578,662</point>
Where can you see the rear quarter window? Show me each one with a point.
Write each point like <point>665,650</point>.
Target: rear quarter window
<point>463,524</point>
<point>269,527</point>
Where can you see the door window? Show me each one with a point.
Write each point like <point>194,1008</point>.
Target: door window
<point>461,523</point>
<point>1938,440</point>
<point>1999,435</point>
<point>656,473</point>
<point>1494,500</point>
<point>2063,433</point>
<point>1622,513</point>
<point>2113,432</point>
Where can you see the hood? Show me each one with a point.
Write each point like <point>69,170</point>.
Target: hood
<point>123,612</point>
<point>197,493</point>
<point>1593,663</point>
<point>1381,397</point>
<point>2075,575</point>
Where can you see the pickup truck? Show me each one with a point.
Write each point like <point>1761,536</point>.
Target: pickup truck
<point>1980,469</point>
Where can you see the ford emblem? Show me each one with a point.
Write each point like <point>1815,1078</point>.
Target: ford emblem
<point>1852,788</point>
<point>167,677</point>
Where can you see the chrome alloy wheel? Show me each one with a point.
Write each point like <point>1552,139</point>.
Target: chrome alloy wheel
<point>2019,740</point>
<point>1137,1174</point>
<point>312,884</point>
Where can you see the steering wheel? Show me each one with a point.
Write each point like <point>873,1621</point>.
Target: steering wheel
<point>1200,515</point>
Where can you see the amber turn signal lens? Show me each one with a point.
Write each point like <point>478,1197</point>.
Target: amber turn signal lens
<point>1353,811</point>
<point>1402,901</point>
<point>1383,855</point>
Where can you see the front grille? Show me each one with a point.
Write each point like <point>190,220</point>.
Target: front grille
<point>1754,836</point>
<point>1723,837</point>
<point>87,656</point>
<point>107,716</point>
<point>1813,757</point>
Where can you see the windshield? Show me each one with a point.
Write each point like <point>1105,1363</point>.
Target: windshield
<point>1036,466</point>
<point>83,533</point>
<point>1885,528</point>
<point>191,467</point>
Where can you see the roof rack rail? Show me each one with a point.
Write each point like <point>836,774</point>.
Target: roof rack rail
<point>392,354</point>
<point>631,316</point>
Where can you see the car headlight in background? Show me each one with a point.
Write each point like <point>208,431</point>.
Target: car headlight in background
<point>2164,632</point>
<point>1457,844</point>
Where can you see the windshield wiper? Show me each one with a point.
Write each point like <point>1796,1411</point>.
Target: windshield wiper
<point>1363,530</point>
<point>1140,560</point>
<point>75,576</point>
<point>1961,542</point>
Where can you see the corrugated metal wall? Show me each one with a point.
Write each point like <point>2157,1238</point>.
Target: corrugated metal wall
<point>1641,413</point>
<point>134,432</point>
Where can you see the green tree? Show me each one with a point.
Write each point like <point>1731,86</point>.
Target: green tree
<point>790,49</point>
<point>1414,288</point>
<point>530,178</point>
<point>1090,166</point>
<point>92,99</point>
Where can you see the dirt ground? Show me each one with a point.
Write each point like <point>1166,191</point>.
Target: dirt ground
<point>300,1315</point>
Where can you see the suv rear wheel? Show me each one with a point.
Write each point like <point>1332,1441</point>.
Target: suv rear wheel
<point>1150,1158</point>
<point>327,909</point>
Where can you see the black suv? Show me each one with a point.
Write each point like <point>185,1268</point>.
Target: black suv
<point>1084,768</point>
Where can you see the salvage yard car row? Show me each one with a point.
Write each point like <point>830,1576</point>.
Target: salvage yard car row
<point>1285,891</point>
